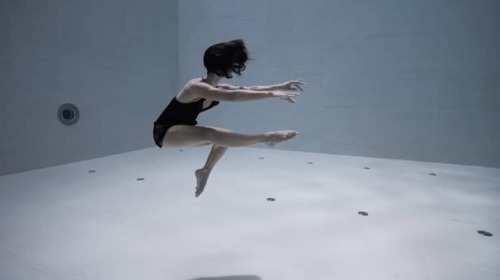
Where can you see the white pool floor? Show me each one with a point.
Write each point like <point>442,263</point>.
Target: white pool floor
<point>95,219</point>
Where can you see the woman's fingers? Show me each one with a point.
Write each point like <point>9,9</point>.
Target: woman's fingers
<point>299,81</point>
<point>287,95</point>
<point>290,97</point>
<point>297,85</point>
<point>294,85</point>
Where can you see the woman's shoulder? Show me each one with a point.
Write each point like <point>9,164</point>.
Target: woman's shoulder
<point>194,81</point>
<point>185,95</point>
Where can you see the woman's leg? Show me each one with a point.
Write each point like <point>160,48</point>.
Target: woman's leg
<point>187,135</point>
<point>215,154</point>
<point>183,135</point>
<point>202,174</point>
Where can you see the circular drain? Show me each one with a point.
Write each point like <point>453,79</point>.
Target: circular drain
<point>140,179</point>
<point>271,199</point>
<point>92,171</point>
<point>362,213</point>
<point>433,174</point>
<point>367,168</point>
<point>68,114</point>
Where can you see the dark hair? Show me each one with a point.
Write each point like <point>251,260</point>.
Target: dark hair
<point>226,58</point>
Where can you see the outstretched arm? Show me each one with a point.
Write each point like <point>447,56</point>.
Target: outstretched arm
<point>207,91</point>
<point>289,85</point>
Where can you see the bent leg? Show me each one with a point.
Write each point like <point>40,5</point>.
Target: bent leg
<point>202,174</point>
<point>215,154</point>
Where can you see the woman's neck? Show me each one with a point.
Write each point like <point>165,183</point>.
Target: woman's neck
<point>212,79</point>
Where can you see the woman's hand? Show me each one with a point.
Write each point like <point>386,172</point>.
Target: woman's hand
<point>285,95</point>
<point>292,85</point>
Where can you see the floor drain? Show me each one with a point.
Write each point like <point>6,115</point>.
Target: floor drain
<point>140,179</point>
<point>92,171</point>
<point>362,213</point>
<point>433,174</point>
<point>261,157</point>
<point>485,233</point>
<point>311,162</point>
<point>271,199</point>
<point>367,168</point>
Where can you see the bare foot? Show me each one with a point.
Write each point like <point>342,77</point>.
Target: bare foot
<point>276,137</point>
<point>201,180</point>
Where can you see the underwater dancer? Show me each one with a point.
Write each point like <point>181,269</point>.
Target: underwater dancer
<point>177,126</point>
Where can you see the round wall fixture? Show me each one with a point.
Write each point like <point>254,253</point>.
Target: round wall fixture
<point>68,114</point>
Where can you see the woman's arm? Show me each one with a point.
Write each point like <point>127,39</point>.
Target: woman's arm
<point>207,91</point>
<point>289,85</point>
<point>256,88</point>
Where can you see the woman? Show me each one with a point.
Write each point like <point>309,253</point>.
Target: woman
<point>176,126</point>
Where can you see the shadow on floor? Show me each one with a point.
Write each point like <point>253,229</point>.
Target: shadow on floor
<point>244,277</point>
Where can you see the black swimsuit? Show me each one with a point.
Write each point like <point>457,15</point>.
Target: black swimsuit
<point>178,113</point>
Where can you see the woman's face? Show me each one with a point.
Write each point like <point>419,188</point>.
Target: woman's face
<point>237,68</point>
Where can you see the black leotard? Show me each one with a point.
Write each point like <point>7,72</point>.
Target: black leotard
<point>178,113</point>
